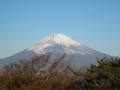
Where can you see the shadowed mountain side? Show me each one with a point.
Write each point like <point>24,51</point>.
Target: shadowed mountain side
<point>56,45</point>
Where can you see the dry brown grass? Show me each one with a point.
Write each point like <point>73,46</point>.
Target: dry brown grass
<point>28,76</point>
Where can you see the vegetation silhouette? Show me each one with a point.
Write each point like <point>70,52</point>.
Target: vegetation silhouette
<point>36,75</point>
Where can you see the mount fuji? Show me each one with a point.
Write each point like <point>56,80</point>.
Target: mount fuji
<point>76,54</point>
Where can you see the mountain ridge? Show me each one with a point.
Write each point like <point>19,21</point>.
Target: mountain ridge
<point>59,44</point>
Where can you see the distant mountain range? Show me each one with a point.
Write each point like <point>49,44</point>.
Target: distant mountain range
<point>76,54</point>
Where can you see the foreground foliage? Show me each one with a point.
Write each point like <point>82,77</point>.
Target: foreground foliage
<point>104,76</point>
<point>32,75</point>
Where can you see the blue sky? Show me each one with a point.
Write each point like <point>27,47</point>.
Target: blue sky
<point>95,23</point>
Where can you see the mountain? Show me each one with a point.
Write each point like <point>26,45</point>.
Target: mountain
<point>76,54</point>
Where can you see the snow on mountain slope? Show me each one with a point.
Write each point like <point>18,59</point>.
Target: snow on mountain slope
<point>61,44</point>
<point>77,54</point>
<point>59,41</point>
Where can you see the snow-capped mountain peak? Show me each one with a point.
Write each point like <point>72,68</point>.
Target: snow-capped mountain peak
<point>59,38</point>
<point>58,44</point>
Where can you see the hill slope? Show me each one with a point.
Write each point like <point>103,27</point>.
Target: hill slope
<point>56,45</point>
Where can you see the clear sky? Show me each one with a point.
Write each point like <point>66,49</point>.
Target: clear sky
<point>95,23</point>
